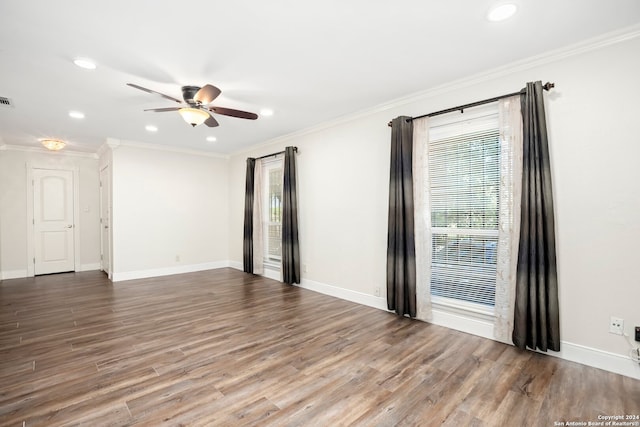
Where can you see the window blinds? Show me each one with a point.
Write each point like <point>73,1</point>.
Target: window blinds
<point>272,211</point>
<point>464,177</point>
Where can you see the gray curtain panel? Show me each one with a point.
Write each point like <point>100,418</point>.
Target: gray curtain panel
<point>536,320</point>
<point>401,252</point>
<point>247,245</point>
<point>290,248</point>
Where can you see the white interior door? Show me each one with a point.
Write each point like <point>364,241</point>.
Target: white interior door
<point>53,221</point>
<point>105,220</point>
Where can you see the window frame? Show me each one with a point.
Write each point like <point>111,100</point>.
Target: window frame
<point>269,165</point>
<point>466,307</point>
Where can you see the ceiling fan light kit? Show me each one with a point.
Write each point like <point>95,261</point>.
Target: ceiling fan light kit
<point>53,144</point>
<point>193,116</point>
<point>197,111</point>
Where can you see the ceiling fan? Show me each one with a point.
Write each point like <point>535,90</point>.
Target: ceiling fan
<point>197,110</point>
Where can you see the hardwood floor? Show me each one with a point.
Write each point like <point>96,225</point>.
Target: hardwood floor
<point>222,347</point>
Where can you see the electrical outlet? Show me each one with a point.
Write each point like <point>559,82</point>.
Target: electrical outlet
<point>177,258</point>
<point>377,291</point>
<point>616,325</point>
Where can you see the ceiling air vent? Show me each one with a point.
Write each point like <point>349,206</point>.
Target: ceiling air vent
<point>5,102</point>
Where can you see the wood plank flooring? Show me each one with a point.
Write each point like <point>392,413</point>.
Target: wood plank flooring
<point>225,348</point>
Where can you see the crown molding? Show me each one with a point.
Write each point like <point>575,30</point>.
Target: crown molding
<point>599,42</point>
<point>115,143</point>
<point>595,43</point>
<point>102,149</point>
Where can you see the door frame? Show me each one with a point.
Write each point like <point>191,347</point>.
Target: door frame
<point>107,169</point>
<point>31,251</point>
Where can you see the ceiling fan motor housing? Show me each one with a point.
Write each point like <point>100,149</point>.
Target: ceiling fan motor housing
<point>188,93</point>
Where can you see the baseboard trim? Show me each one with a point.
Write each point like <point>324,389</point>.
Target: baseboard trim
<point>607,361</point>
<point>13,274</point>
<point>346,294</point>
<point>612,362</point>
<point>272,274</point>
<point>596,358</point>
<point>167,271</point>
<point>21,274</point>
<point>477,327</point>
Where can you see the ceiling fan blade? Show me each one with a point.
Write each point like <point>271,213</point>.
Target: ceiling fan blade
<point>211,122</point>
<point>153,91</point>
<point>234,113</point>
<point>157,110</point>
<point>206,94</point>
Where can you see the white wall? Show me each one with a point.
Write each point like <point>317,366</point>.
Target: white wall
<point>13,206</point>
<point>166,204</point>
<point>170,211</point>
<point>340,203</point>
<point>172,203</point>
<point>592,115</point>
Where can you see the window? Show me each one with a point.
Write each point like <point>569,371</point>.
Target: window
<point>463,155</point>
<point>272,213</point>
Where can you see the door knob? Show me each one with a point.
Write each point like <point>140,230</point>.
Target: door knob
<point>70,226</point>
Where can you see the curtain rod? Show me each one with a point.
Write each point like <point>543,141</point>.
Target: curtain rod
<point>547,86</point>
<point>275,154</point>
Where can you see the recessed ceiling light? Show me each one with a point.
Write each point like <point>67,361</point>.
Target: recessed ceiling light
<point>151,128</point>
<point>76,114</point>
<point>212,139</point>
<point>85,63</point>
<point>266,112</point>
<point>502,12</point>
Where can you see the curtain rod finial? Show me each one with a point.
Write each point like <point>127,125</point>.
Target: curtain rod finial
<point>548,86</point>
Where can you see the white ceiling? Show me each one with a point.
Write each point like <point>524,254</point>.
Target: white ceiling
<point>310,62</point>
